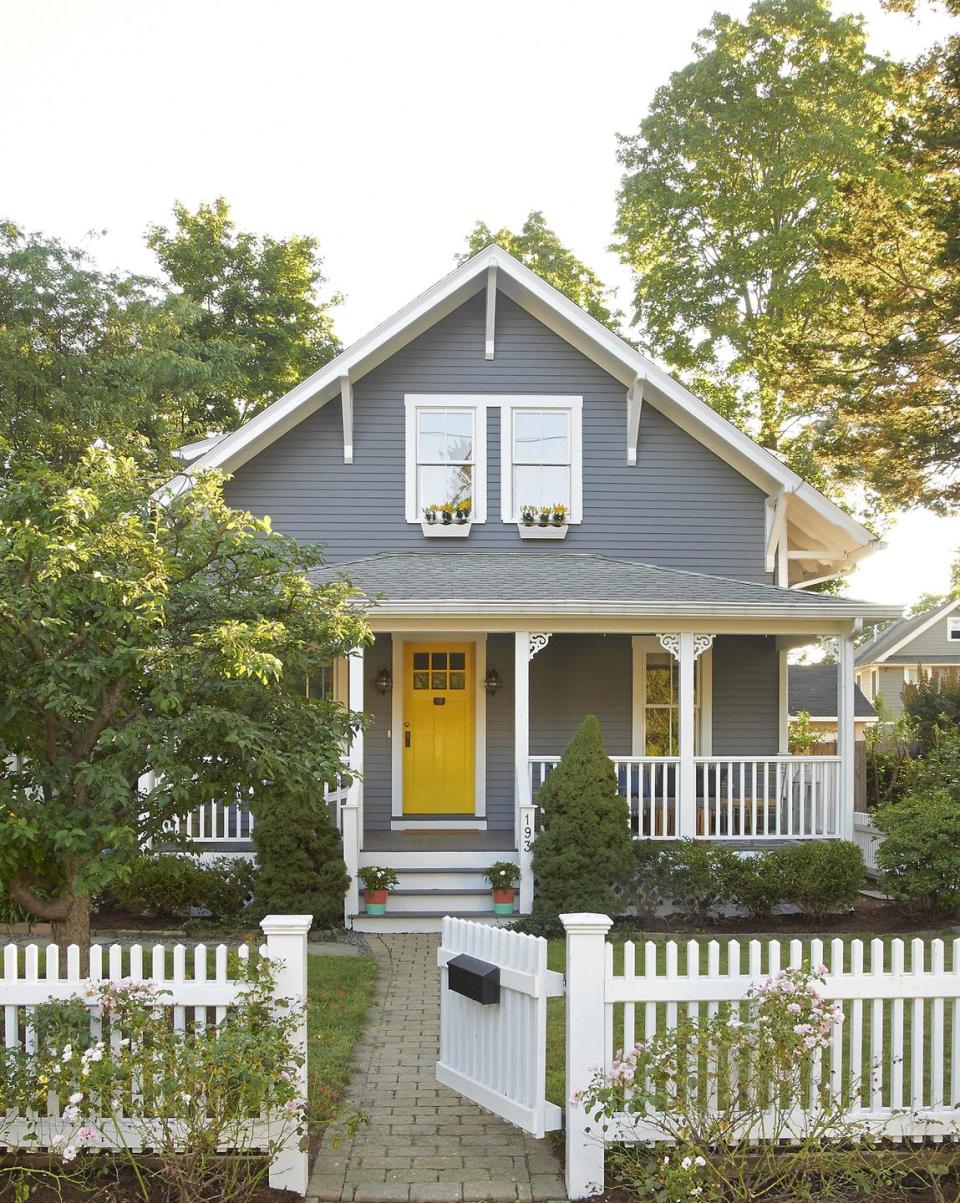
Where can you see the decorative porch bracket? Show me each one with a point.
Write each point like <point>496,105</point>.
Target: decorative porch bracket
<point>538,641</point>
<point>686,647</point>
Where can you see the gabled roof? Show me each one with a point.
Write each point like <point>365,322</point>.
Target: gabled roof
<point>815,522</point>
<point>894,638</point>
<point>813,688</point>
<point>544,582</point>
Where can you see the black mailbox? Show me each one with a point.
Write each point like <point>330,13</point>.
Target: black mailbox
<point>474,979</point>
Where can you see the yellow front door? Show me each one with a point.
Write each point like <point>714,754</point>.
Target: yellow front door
<point>438,728</point>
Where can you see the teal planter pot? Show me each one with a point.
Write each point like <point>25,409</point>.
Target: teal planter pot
<point>503,908</point>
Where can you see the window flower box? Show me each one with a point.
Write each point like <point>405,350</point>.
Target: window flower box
<point>542,532</point>
<point>446,530</point>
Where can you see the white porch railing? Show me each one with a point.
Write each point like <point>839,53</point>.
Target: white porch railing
<point>649,784</point>
<point>231,822</point>
<point>771,797</point>
<point>738,797</point>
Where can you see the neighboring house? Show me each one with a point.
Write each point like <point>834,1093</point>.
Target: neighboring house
<point>665,602</point>
<point>812,689</point>
<point>928,642</point>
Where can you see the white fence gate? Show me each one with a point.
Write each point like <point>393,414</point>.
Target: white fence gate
<point>32,976</point>
<point>497,1055</point>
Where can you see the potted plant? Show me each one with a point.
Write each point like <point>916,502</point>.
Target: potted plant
<point>462,510</point>
<point>528,514</point>
<point>545,513</point>
<point>446,513</point>
<point>430,514</point>
<point>376,882</point>
<point>559,515</point>
<point>503,876</point>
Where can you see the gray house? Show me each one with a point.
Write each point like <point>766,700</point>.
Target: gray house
<point>812,690</point>
<point>927,642</point>
<point>605,543</point>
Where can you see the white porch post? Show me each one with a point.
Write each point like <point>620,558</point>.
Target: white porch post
<point>687,800</point>
<point>846,734</point>
<point>352,810</point>
<point>521,751</point>
<point>783,718</point>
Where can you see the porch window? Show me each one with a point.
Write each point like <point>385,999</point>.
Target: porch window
<point>445,455</point>
<point>542,459</point>
<point>661,711</point>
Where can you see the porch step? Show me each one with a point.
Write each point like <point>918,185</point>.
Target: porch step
<point>421,921</point>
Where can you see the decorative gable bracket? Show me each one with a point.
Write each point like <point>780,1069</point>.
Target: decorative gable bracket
<point>634,406</point>
<point>346,402</point>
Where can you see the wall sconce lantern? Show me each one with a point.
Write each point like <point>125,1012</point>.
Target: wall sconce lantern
<point>492,682</point>
<point>384,681</point>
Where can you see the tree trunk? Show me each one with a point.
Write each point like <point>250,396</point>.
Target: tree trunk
<point>74,928</point>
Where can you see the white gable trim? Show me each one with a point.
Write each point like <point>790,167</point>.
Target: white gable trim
<point>908,639</point>
<point>577,327</point>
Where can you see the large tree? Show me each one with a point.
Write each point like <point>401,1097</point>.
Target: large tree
<point>897,255</point>
<point>742,165</point>
<point>137,638</point>
<point>540,249</point>
<point>257,294</point>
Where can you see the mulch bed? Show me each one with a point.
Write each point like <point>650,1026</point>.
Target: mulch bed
<point>116,1184</point>
<point>868,916</point>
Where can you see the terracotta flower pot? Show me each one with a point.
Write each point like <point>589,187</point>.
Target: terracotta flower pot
<point>376,901</point>
<point>503,901</point>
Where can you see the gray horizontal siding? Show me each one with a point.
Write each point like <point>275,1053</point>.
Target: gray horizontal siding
<point>681,506</point>
<point>746,695</point>
<point>500,759</point>
<point>931,644</point>
<point>377,770</point>
<point>890,686</point>
<point>577,675</point>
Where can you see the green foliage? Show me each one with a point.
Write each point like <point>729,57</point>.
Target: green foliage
<point>539,248</point>
<point>170,886</point>
<point>257,297</point>
<point>584,848</point>
<point>299,858</point>
<point>138,638</point>
<point>738,173</point>
<point>502,875</point>
<point>698,876</point>
<point>821,877</point>
<point>644,892</point>
<point>920,854</point>
<point>376,877</point>
<point>801,734</point>
<point>933,705</point>
<point>757,883</point>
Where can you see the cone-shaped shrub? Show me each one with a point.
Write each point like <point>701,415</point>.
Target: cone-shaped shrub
<point>584,848</point>
<point>301,869</point>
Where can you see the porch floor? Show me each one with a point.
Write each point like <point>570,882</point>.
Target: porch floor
<point>439,841</point>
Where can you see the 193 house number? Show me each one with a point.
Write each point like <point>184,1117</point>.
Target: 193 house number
<point>527,836</point>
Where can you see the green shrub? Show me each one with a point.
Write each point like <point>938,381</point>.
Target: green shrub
<point>757,884</point>
<point>300,866</point>
<point>168,886</point>
<point>940,768</point>
<point>698,876</point>
<point>644,892</point>
<point>584,849</point>
<point>920,854</point>
<point>933,704</point>
<point>820,877</point>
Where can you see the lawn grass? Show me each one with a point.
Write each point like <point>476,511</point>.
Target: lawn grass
<point>340,992</point>
<point>556,959</point>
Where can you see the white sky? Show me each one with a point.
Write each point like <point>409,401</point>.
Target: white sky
<point>385,129</point>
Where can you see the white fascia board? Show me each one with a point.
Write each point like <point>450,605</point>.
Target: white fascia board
<point>703,423</point>
<point>907,639</point>
<point>678,609</point>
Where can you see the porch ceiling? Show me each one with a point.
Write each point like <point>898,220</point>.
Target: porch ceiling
<point>552,582</point>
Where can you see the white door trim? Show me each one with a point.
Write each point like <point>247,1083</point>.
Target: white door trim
<point>479,640</point>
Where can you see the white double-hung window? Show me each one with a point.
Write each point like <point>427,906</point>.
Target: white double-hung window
<point>541,456</point>
<point>445,454</point>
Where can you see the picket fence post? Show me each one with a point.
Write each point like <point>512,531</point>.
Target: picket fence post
<point>586,1002</point>
<point>287,945</point>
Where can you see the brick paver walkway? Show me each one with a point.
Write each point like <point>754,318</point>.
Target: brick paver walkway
<point>422,1142</point>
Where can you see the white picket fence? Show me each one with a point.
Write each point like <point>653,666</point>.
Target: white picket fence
<point>893,1062</point>
<point>32,976</point>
